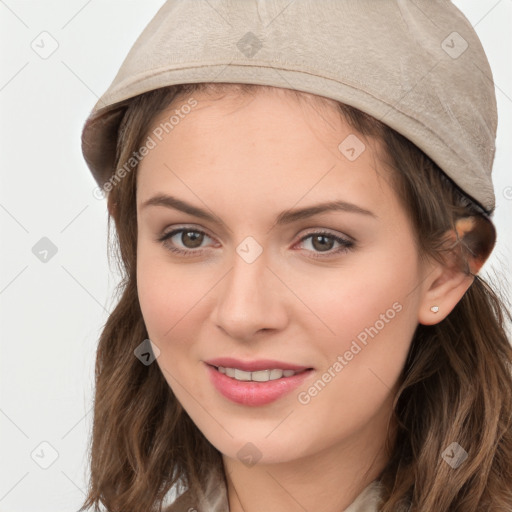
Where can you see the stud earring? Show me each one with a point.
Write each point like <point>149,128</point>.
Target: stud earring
<point>434,309</point>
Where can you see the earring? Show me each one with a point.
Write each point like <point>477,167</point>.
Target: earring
<point>434,309</point>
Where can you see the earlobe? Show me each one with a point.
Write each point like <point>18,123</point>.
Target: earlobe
<point>443,295</point>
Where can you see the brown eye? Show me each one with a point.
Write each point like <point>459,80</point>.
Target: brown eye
<point>322,242</point>
<point>192,239</point>
<point>318,243</point>
<point>184,241</point>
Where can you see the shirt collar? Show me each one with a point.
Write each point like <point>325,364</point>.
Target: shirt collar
<point>215,498</point>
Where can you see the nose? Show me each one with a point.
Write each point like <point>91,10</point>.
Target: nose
<point>250,300</point>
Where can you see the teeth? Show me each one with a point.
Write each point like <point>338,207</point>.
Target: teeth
<point>241,375</point>
<point>261,375</point>
<point>258,376</point>
<point>275,374</point>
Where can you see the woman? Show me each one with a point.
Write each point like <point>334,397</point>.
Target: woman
<point>301,325</point>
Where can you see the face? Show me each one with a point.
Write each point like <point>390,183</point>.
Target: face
<point>245,268</point>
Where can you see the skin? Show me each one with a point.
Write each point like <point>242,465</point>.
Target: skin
<point>246,159</point>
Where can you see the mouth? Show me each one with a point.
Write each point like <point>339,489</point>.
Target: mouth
<point>255,383</point>
<point>258,375</point>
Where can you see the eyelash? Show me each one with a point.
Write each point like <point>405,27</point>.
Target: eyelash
<point>346,244</point>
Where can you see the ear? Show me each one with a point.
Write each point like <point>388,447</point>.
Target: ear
<point>467,248</point>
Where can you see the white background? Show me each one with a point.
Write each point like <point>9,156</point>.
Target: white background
<point>52,313</point>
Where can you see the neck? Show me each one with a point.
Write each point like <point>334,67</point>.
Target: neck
<point>327,481</point>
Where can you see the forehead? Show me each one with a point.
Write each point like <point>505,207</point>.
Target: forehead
<point>270,139</point>
<point>293,108</point>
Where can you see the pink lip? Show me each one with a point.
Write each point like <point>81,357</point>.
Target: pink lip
<point>255,393</point>
<point>254,366</point>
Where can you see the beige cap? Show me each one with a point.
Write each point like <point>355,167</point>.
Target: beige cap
<point>417,66</point>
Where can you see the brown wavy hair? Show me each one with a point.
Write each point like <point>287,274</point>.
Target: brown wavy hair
<point>456,385</point>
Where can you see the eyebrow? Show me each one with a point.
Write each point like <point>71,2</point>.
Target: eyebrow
<point>285,217</point>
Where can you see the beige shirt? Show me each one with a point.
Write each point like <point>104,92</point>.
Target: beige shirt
<point>215,499</point>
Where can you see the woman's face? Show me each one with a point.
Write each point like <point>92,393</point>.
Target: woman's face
<point>256,273</point>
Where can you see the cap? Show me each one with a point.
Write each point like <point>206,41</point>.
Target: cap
<point>419,67</point>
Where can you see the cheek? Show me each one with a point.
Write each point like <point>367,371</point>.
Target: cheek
<point>170,301</point>
<point>369,289</point>
<point>368,315</point>
<point>165,294</point>
<point>174,300</point>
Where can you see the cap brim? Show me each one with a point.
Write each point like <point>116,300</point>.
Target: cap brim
<point>99,140</point>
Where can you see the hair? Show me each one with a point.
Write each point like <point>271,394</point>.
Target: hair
<point>456,384</point>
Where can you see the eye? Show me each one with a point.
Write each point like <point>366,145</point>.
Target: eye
<point>189,238</point>
<point>323,242</point>
<point>187,241</point>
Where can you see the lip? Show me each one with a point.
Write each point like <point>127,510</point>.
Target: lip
<point>254,366</point>
<point>256,393</point>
